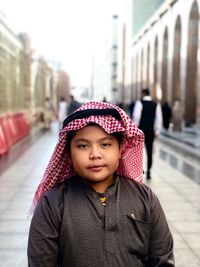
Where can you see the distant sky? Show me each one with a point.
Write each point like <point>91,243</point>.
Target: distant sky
<point>64,30</point>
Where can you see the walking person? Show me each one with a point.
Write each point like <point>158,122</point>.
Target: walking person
<point>166,115</point>
<point>91,208</point>
<point>62,111</point>
<point>48,113</point>
<point>73,105</point>
<point>131,108</point>
<point>147,115</point>
<point>177,116</point>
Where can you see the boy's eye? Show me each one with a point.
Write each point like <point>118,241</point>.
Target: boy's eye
<point>82,146</point>
<point>105,145</point>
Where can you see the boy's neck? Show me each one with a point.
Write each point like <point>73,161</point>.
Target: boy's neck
<point>101,187</point>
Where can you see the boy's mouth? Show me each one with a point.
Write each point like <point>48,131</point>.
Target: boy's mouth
<point>96,167</point>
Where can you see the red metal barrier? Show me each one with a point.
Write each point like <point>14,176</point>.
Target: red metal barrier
<point>3,143</point>
<point>13,128</point>
<point>6,129</point>
<point>23,124</point>
<point>20,125</point>
<point>26,123</point>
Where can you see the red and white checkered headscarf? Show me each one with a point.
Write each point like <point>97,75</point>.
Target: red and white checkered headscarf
<point>130,165</point>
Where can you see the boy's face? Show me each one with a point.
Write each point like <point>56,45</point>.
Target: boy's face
<point>95,156</point>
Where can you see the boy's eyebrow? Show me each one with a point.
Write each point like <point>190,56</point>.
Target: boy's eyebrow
<point>87,140</point>
<point>80,140</point>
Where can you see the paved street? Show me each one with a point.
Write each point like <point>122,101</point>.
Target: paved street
<point>179,195</point>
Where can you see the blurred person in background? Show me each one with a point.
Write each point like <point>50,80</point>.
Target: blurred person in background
<point>104,99</point>
<point>131,108</point>
<point>62,111</point>
<point>73,105</point>
<point>147,115</point>
<point>177,116</point>
<point>167,115</point>
<point>49,113</point>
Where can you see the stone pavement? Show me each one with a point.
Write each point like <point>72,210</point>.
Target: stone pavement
<point>179,196</point>
<point>17,186</point>
<point>188,135</point>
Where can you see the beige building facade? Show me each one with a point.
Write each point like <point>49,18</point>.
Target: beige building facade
<point>26,79</point>
<point>165,56</point>
<point>63,88</point>
<point>11,74</point>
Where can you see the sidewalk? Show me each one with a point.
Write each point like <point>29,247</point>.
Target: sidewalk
<point>180,198</point>
<point>187,141</point>
<point>179,195</point>
<point>17,186</point>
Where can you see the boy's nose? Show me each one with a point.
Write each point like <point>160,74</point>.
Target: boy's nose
<point>95,153</point>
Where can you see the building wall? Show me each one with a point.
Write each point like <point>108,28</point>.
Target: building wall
<point>104,67</point>
<point>10,57</point>
<point>63,87</point>
<point>25,81</point>
<point>124,52</point>
<point>142,11</point>
<point>182,80</point>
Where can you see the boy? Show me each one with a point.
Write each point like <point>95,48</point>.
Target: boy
<point>92,208</point>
